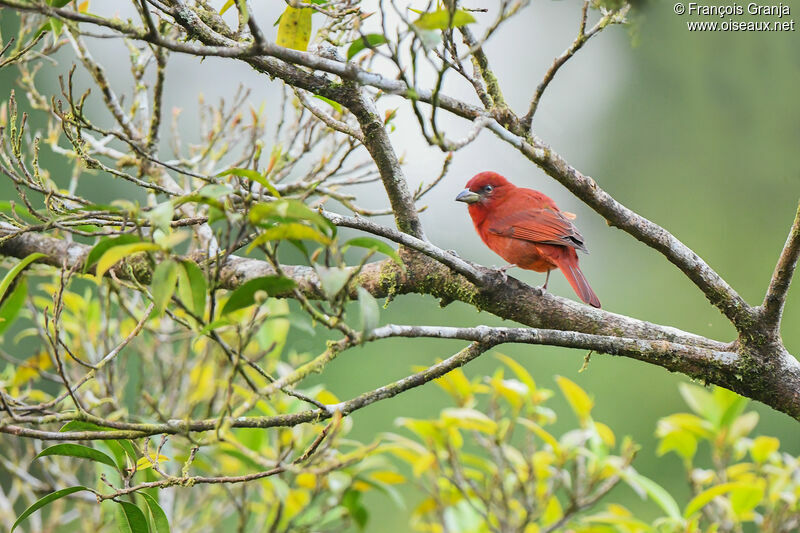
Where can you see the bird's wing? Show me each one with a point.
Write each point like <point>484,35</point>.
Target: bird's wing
<point>544,226</point>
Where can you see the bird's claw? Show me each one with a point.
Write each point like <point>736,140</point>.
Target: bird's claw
<point>453,252</point>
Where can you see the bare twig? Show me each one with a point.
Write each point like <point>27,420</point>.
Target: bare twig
<point>775,298</point>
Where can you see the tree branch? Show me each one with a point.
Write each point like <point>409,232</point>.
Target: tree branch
<point>582,38</point>
<point>716,289</point>
<point>509,299</point>
<point>126,430</point>
<point>775,298</point>
<point>380,148</point>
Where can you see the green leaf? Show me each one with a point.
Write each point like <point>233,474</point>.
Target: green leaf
<point>161,216</point>
<point>369,310</point>
<point>159,516</point>
<point>117,253</point>
<point>294,30</point>
<point>656,492</point>
<point>253,175</point>
<point>192,287</point>
<point>215,324</point>
<point>289,210</point>
<point>332,279</point>
<point>20,210</point>
<point>131,519</point>
<point>442,19</point>
<point>700,401</point>
<point>291,231</point>
<point>8,279</point>
<point>336,105</point>
<point>352,502</point>
<point>370,40</point>
<point>731,403</point>
<point>53,496</point>
<point>104,245</point>
<point>578,399</point>
<point>56,26</point>
<point>746,497</point>
<point>12,305</point>
<point>681,442</point>
<point>374,244</point>
<point>78,450</point>
<point>80,425</point>
<point>705,497</point>
<point>165,278</point>
<point>244,296</point>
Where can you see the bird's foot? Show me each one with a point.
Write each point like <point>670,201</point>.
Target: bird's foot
<point>543,288</point>
<point>503,271</point>
<point>453,252</point>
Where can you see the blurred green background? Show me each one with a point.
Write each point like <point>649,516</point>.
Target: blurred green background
<point>697,131</point>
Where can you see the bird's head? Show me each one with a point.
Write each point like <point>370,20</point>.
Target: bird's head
<point>484,189</point>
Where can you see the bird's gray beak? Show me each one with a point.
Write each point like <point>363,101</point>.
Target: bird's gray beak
<point>468,197</point>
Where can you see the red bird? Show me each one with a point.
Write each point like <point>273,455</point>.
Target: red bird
<point>525,228</point>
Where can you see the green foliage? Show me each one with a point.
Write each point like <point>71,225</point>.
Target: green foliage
<point>374,244</point>
<point>442,19</point>
<point>748,481</point>
<point>130,519</point>
<point>77,450</point>
<point>247,294</point>
<point>505,470</point>
<point>45,500</point>
<point>370,41</point>
<point>490,463</point>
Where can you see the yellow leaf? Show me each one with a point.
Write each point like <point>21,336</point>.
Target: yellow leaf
<point>522,374</point>
<point>388,477</point>
<point>469,419</point>
<point>148,462</point>
<point>578,399</point>
<point>457,385</point>
<point>552,512</point>
<point>360,486</point>
<point>763,447</point>
<point>30,368</point>
<point>83,7</point>
<point>294,30</point>
<point>226,6</point>
<point>605,434</point>
<point>426,506</point>
<point>296,501</point>
<point>542,434</point>
<point>306,480</point>
<point>202,382</point>
<point>423,464</point>
<point>327,397</point>
<point>117,253</point>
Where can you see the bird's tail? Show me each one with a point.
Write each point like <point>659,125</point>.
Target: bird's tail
<point>568,264</point>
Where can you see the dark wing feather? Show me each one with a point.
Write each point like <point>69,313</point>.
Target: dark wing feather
<point>541,226</point>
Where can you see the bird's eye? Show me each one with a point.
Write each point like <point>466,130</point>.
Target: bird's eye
<point>488,188</point>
